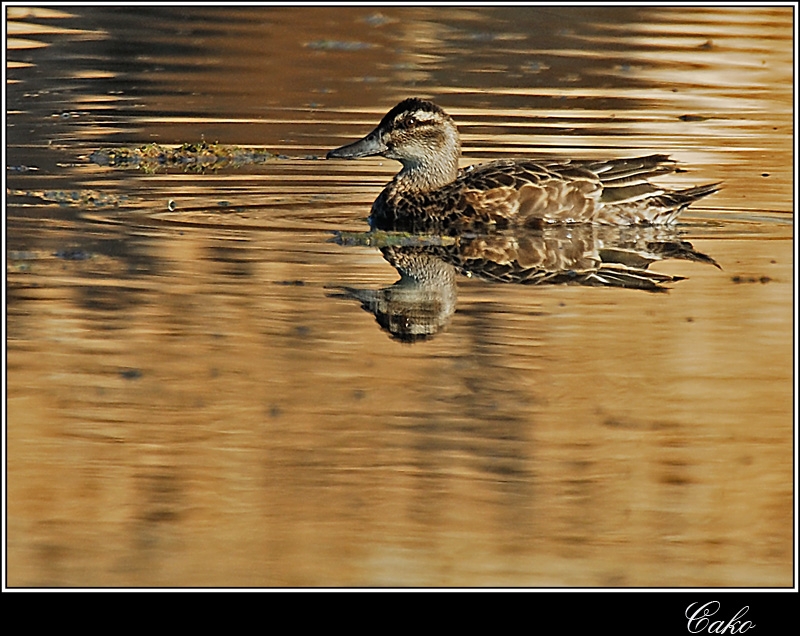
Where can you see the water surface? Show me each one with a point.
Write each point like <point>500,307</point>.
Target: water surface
<point>195,399</point>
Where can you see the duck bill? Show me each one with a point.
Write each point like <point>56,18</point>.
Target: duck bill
<point>367,147</point>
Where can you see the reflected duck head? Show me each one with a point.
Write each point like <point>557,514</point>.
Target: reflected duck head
<point>418,134</point>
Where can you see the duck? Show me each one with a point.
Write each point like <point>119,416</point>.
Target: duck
<point>433,191</point>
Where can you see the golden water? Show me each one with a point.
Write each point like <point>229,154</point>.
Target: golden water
<point>190,402</point>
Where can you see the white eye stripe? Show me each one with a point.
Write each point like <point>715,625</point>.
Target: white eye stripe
<point>424,115</point>
<point>416,118</point>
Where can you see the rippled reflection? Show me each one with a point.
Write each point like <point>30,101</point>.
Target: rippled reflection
<point>421,303</point>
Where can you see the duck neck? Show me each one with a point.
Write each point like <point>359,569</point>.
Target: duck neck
<point>425,176</point>
<point>426,172</point>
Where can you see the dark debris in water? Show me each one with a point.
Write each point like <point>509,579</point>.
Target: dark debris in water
<point>197,157</point>
<point>22,168</point>
<point>75,254</point>
<point>130,374</point>
<point>751,279</point>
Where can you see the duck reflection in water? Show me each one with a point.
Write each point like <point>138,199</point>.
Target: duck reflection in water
<point>422,301</point>
<point>595,223</point>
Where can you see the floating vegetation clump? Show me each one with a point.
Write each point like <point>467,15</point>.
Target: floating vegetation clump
<point>73,198</point>
<point>197,157</point>
<point>338,45</point>
<point>380,238</point>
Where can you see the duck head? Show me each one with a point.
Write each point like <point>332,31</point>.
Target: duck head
<point>418,134</point>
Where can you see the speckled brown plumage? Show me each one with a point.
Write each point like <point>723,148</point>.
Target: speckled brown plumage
<point>430,190</point>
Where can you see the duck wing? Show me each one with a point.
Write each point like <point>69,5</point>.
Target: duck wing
<point>532,193</point>
<point>617,191</point>
<point>524,191</point>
